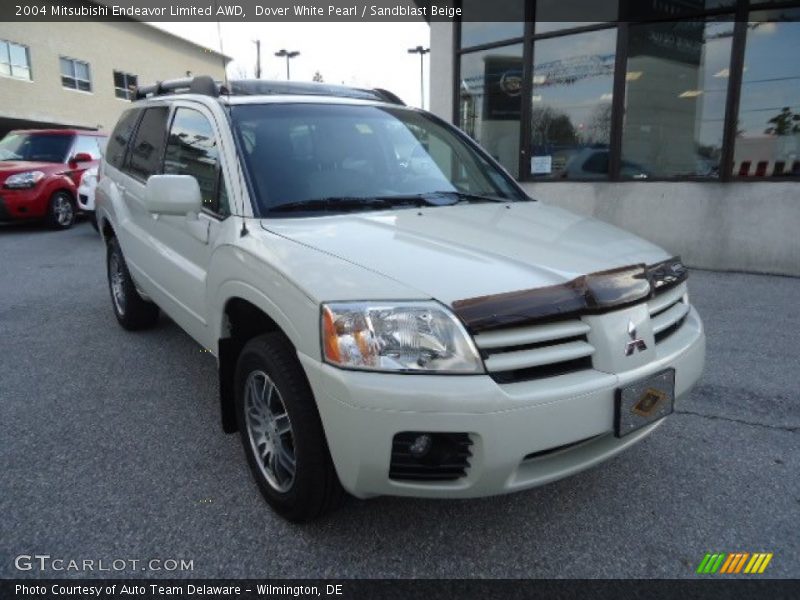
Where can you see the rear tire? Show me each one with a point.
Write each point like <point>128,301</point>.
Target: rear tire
<point>282,432</point>
<point>61,211</point>
<point>132,311</point>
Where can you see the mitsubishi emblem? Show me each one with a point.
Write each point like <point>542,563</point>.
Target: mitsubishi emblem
<point>635,343</point>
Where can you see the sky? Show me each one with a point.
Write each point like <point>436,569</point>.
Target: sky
<point>357,54</point>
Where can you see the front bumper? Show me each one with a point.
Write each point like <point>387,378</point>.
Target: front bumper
<point>21,204</point>
<point>361,413</point>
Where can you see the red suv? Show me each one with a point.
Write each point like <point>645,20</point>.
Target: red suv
<point>40,170</point>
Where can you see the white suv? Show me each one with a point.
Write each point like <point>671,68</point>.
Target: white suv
<point>390,312</point>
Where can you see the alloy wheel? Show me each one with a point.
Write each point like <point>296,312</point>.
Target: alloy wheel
<point>270,431</point>
<point>117,278</point>
<point>63,210</point>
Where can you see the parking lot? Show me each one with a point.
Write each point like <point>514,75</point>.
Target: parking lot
<point>112,449</point>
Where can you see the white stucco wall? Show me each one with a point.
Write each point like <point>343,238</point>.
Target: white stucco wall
<point>131,47</point>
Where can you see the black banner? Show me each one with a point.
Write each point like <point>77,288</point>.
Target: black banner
<point>405,589</point>
<point>590,11</point>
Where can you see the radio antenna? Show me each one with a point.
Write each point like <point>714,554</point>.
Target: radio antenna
<point>226,88</point>
<point>221,51</point>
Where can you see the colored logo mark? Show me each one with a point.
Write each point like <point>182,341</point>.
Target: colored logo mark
<point>734,562</point>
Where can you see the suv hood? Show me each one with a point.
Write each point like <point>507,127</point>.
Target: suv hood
<point>457,252</point>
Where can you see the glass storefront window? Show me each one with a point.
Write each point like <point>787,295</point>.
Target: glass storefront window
<point>490,101</point>
<point>476,34</point>
<point>573,81</point>
<point>677,81</point>
<point>489,22</point>
<point>640,10</point>
<point>555,15</point>
<point>768,130</point>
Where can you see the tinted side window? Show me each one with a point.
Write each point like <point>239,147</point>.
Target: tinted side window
<point>192,149</point>
<point>88,145</point>
<point>118,142</point>
<point>144,158</point>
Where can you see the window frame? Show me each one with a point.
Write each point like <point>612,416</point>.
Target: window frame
<point>126,161</point>
<point>739,13</point>
<point>219,175</point>
<point>128,93</point>
<point>74,76</point>
<point>11,63</point>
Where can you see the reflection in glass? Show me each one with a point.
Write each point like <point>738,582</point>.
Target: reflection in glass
<point>573,81</point>
<point>555,15</point>
<point>640,10</point>
<point>677,83</point>
<point>490,101</point>
<point>488,22</point>
<point>476,34</point>
<point>768,130</point>
<point>192,150</point>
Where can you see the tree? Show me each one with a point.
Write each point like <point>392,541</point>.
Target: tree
<point>552,127</point>
<point>784,123</point>
<point>318,77</point>
<point>600,124</point>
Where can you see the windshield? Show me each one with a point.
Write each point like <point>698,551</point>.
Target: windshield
<point>37,147</point>
<point>335,158</point>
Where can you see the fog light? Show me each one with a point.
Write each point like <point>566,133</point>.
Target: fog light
<point>421,445</point>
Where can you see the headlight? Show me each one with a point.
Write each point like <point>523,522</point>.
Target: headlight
<point>24,180</point>
<point>397,336</point>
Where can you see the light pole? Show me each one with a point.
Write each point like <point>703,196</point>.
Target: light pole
<point>258,58</point>
<point>422,52</point>
<point>288,55</point>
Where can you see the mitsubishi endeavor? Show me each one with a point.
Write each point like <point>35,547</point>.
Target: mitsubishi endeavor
<point>390,312</point>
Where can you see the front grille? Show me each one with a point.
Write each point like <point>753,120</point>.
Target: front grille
<point>447,460</point>
<point>668,311</point>
<point>4,215</point>
<point>536,351</point>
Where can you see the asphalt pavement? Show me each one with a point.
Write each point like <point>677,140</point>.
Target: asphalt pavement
<point>111,449</point>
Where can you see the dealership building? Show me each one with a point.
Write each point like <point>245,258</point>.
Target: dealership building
<point>79,74</point>
<point>675,119</point>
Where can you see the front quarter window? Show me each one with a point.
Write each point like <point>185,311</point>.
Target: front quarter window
<point>333,158</point>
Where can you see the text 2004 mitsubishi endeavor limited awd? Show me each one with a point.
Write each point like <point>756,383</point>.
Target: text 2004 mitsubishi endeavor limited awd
<point>390,312</point>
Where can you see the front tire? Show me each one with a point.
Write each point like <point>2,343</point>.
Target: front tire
<point>132,311</point>
<point>61,211</point>
<point>281,431</point>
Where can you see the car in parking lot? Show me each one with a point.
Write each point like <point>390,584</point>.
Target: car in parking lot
<point>390,312</point>
<point>40,170</point>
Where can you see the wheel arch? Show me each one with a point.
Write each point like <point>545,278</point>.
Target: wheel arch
<point>242,319</point>
<point>106,228</point>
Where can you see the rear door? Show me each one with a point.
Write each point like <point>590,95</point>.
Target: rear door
<point>141,160</point>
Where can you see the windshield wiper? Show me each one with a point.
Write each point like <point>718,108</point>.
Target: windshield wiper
<point>360,203</point>
<point>347,203</point>
<point>468,197</point>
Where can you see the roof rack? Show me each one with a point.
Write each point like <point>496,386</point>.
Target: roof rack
<point>206,86</point>
<point>201,84</point>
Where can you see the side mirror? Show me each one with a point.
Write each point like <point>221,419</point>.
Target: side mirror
<point>81,157</point>
<point>173,195</point>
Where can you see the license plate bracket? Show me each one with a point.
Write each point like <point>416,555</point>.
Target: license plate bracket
<point>642,402</point>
